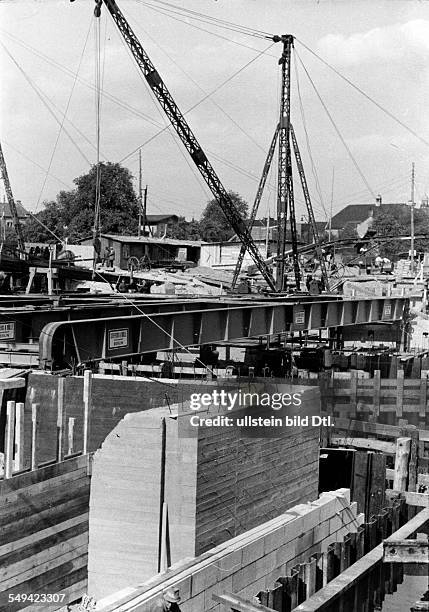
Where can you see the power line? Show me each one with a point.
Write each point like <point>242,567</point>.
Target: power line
<point>44,102</point>
<point>363,93</point>
<point>350,154</point>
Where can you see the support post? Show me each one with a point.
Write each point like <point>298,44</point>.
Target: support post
<point>35,416</point>
<point>9,438</point>
<point>19,436</point>
<point>403,447</point>
<point>87,405</point>
<point>60,419</point>
<point>70,436</point>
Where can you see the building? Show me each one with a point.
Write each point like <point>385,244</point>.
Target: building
<point>359,217</point>
<point>6,215</point>
<point>158,225</point>
<point>159,251</point>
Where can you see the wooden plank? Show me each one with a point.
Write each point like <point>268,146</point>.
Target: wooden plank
<point>18,501</point>
<point>70,435</point>
<point>43,518</point>
<point>87,403</point>
<point>376,474</point>
<point>393,431</point>
<point>57,580</point>
<point>19,436</point>
<point>403,446</point>
<point>377,383</point>
<point>35,421</point>
<point>60,418</point>
<point>413,460</point>
<point>400,394</point>
<point>21,560</point>
<point>43,474</point>
<point>9,440</point>
<point>234,602</point>
<point>378,445</point>
<point>360,475</point>
<point>42,568</point>
<point>12,383</point>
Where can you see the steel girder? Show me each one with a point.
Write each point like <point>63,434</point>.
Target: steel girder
<point>85,340</point>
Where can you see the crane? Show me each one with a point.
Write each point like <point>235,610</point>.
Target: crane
<point>309,206</point>
<point>186,135</point>
<point>256,203</point>
<point>11,202</point>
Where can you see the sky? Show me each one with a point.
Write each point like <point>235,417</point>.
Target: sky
<point>48,119</point>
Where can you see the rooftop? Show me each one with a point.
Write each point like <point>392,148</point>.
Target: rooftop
<point>5,209</point>
<point>151,240</point>
<point>356,213</point>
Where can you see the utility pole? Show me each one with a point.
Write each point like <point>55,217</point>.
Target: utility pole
<point>332,202</point>
<point>140,195</point>
<point>412,218</point>
<point>285,200</point>
<point>144,209</point>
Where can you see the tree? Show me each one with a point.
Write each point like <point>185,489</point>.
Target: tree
<point>399,224</point>
<point>72,214</point>
<point>214,226</point>
<point>184,230</point>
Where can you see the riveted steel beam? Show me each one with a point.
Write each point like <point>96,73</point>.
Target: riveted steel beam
<point>84,340</point>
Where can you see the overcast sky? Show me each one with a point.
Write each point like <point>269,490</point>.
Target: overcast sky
<point>382,47</point>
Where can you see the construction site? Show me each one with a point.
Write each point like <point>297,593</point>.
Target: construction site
<point>215,425</point>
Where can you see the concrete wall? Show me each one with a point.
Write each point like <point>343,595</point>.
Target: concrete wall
<point>252,561</point>
<point>218,484</point>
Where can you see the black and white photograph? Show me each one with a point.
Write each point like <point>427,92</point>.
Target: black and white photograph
<point>214,305</point>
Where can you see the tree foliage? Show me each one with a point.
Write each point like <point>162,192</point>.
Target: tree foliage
<point>72,214</point>
<point>399,224</point>
<point>214,226</point>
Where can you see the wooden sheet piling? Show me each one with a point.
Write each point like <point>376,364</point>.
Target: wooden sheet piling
<point>87,405</point>
<point>403,447</point>
<point>9,440</point>
<point>19,436</point>
<point>35,422</point>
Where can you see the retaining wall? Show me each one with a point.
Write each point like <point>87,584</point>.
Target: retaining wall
<point>44,533</point>
<point>250,562</point>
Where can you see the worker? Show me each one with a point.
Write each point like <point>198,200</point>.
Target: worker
<point>169,601</point>
<point>106,254</point>
<point>111,256</point>
<point>122,287</point>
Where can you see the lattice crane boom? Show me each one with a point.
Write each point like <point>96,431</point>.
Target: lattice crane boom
<point>11,202</point>
<point>186,136</point>
<point>256,203</point>
<point>309,206</point>
<point>285,197</point>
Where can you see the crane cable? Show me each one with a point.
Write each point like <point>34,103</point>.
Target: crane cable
<point>97,39</point>
<point>43,98</point>
<point>340,136</point>
<point>63,120</point>
<point>367,96</point>
<point>307,139</point>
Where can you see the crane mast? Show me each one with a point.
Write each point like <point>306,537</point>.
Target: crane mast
<point>11,202</point>
<point>309,206</point>
<point>285,196</point>
<point>186,135</point>
<point>256,203</point>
